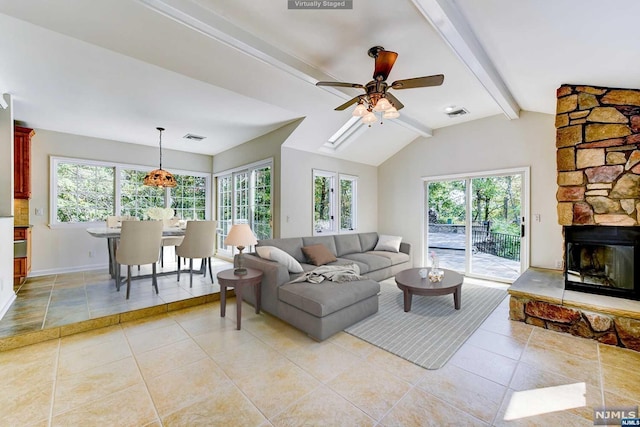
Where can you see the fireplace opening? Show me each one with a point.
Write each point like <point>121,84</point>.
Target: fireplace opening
<point>601,260</point>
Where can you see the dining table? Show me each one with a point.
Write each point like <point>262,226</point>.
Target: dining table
<point>112,235</point>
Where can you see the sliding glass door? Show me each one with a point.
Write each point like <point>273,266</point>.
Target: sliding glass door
<point>476,224</point>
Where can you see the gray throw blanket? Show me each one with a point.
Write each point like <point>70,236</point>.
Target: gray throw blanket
<point>335,273</point>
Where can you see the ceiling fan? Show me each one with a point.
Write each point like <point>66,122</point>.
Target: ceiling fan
<point>377,98</point>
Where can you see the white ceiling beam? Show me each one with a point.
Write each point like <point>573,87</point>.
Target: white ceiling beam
<point>210,24</point>
<point>452,26</point>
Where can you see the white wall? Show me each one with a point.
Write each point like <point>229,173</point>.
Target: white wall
<point>297,191</point>
<point>481,145</point>
<point>67,249</point>
<point>6,206</point>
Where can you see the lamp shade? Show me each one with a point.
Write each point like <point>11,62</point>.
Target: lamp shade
<point>391,113</point>
<point>240,235</point>
<point>360,110</point>
<point>369,118</point>
<point>160,177</point>
<point>382,105</point>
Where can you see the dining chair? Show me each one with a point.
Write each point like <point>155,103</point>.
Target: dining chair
<point>140,243</point>
<point>115,221</point>
<point>170,240</point>
<point>199,242</point>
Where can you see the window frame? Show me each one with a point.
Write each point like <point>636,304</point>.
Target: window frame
<point>232,174</point>
<point>335,202</point>
<point>118,167</point>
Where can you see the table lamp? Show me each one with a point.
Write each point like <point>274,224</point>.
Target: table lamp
<point>240,236</point>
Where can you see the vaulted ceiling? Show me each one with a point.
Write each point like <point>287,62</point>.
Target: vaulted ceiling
<point>234,70</point>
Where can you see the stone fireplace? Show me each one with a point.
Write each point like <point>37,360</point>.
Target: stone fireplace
<point>598,195</point>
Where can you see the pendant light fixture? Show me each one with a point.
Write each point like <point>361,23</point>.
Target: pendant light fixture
<point>160,177</point>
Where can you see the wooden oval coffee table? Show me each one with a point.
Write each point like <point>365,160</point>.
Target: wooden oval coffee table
<point>410,282</point>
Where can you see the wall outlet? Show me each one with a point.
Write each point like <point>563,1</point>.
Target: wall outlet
<point>91,254</point>
<point>39,211</point>
<point>558,263</point>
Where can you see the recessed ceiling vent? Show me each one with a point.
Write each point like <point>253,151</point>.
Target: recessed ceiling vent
<point>192,137</point>
<point>457,112</point>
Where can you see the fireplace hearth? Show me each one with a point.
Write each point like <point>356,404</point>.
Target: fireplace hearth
<point>601,260</point>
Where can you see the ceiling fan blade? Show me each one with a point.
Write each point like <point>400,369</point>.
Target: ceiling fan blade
<point>399,105</point>
<point>435,80</point>
<point>384,63</point>
<point>340,84</point>
<point>348,103</point>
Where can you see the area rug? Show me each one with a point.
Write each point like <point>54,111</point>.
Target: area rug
<point>433,330</point>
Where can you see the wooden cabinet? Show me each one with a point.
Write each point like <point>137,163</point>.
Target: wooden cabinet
<point>22,257</point>
<point>22,162</point>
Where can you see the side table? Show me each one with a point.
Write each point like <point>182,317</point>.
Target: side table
<point>227,278</point>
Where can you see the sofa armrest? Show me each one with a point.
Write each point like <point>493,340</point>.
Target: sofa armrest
<point>274,275</point>
<point>405,247</point>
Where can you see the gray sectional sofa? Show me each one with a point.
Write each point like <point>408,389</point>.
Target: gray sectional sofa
<point>323,309</point>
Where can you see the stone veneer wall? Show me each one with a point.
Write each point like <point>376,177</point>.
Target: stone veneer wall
<point>598,156</point>
<point>608,329</point>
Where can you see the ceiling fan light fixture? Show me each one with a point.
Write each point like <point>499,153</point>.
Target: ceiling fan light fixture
<point>391,113</point>
<point>369,118</point>
<point>360,110</point>
<point>382,105</point>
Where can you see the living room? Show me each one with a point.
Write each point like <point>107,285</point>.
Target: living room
<point>390,160</point>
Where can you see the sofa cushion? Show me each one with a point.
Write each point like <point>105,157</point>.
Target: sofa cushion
<point>327,297</point>
<point>276,254</point>
<point>388,243</point>
<point>318,254</point>
<point>368,241</point>
<point>364,267</point>
<point>291,245</point>
<point>374,262</point>
<point>347,244</point>
<point>328,241</point>
<point>395,258</point>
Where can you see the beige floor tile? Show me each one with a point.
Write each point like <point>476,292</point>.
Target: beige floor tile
<point>29,364</point>
<point>621,381</point>
<point>566,364</point>
<point>352,344</point>
<point>324,361</point>
<point>323,407</point>
<point>396,365</point>
<point>76,390</point>
<point>619,357</point>
<point>286,384</point>
<point>371,389</point>
<point>528,377</point>
<point>249,359</point>
<point>518,330</point>
<point>462,389</point>
<point>612,399</point>
<point>165,359</point>
<point>227,407</point>
<point>224,340</point>
<point>497,343</point>
<point>524,410</point>
<point>146,324</point>
<point>134,408</point>
<point>26,403</point>
<point>544,338</point>
<point>185,385</point>
<point>82,340</point>
<point>419,408</point>
<point>88,357</point>
<point>157,338</point>
<point>492,366</point>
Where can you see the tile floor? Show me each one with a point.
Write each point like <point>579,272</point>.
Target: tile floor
<point>61,299</point>
<point>192,367</point>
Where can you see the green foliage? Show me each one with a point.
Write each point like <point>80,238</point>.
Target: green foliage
<point>495,199</point>
<point>92,200</point>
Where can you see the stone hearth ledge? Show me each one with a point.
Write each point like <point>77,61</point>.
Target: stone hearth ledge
<point>538,298</point>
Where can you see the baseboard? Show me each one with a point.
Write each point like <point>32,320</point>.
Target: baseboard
<point>7,306</point>
<point>51,271</point>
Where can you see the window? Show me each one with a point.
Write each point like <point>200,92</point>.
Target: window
<point>244,196</point>
<point>88,191</point>
<point>334,213</point>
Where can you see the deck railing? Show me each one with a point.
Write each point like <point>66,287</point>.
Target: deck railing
<point>498,244</point>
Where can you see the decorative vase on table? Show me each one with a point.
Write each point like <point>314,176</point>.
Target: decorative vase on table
<point>435,273</point>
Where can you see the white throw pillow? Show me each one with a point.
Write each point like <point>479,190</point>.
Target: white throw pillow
<point>388,243</point>
<point>275,254</point>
